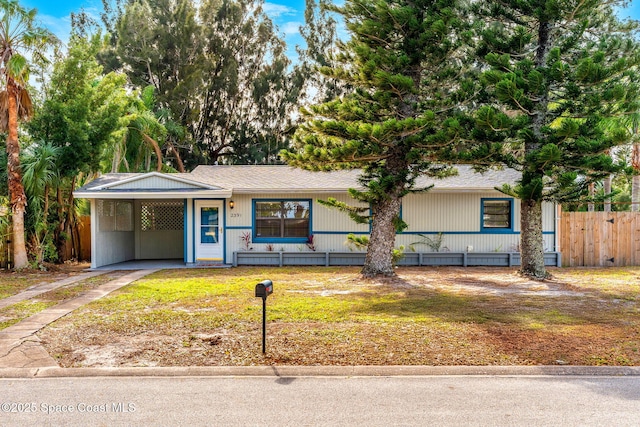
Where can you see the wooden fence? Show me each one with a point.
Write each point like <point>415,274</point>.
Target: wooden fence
<point>600,239</point>
<point>85,238</point>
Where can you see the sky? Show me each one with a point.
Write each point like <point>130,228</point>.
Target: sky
<point>287,14</point>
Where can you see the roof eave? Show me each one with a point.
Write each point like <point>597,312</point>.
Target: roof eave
<point>173,194</point>
<point>288,190</point>
<point>344,190</point>
<point>169,177</point>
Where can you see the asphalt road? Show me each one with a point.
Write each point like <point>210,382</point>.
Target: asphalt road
<point>322,401</point>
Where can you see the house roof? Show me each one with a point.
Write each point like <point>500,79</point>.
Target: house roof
<point>223,180</point>
<point>264,178</point>
<point>152,185</point>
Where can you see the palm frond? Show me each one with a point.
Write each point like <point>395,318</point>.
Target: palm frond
<point>25,108</point>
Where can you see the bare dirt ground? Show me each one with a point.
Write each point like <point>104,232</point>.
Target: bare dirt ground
<point>437,316</point>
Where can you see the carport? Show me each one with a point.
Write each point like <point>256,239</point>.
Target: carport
<point>144,216</point>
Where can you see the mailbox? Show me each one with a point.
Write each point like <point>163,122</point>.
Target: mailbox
<point>264,289</point>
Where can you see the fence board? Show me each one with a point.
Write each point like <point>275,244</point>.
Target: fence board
<point>600,239</point>
<point>634,242</point>
<point>576,239</point>
<point>85,238</point>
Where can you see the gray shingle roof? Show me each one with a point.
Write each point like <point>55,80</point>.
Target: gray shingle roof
<point>269,178</point>
<point>106,179</point>
<point>275,178</point>
<point>256,178</point>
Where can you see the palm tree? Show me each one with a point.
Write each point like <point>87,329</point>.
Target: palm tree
<point>40,174</point>
<point>143,130</point>
<point>18,33</point>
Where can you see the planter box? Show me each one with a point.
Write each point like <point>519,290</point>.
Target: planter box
<point>410,259</point>
<point>460,259</point>
<point>553,259</point>
<point>256,258</point>
<point>443,258</point>
<point>304,258</point>
<point>497,259</point>
<point>346,258</point>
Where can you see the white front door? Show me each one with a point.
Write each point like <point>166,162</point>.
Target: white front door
<point>209,223</point>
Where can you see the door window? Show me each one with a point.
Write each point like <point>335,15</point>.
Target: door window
<point>209,225</point>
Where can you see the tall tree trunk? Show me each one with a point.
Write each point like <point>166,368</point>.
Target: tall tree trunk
<point>16,188</point>
<point>607,192</point>
<point>66,213</point>
<point>531,240</point>
<point>75,240</point>
<point>179,164</point>
<point>592,191</point>
<point>156,148</point>
<point>379,258</point>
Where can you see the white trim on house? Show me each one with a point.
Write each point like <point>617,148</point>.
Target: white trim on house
<point>175,194</point>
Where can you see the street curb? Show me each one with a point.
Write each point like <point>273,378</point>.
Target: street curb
<point>320,371</point>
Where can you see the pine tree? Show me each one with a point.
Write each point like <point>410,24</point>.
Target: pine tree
<point>219,67</point>
<point>391,126</point>
<point>321,36</point>
<point>555,70</point>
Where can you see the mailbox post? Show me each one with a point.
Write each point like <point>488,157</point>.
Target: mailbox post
<point>263,290</point>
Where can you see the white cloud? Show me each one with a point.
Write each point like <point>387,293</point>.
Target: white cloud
<point>277,10</point>
<point>291,27</point>
<point>61,27</point>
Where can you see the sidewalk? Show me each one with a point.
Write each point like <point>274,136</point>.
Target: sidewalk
<point>20,347</point>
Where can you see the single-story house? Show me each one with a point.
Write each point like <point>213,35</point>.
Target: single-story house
<point>254,214</point>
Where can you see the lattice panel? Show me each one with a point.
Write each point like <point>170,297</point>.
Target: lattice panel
<point>157,216</point>
<point>105,208</point>
<point>124,216</point>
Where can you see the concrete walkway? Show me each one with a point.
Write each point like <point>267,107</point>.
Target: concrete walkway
<point>21,348</point>
<point>41,289</point>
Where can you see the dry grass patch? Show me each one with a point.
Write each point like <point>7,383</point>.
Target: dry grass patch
<point>13,282</point>
<point>329,316</point>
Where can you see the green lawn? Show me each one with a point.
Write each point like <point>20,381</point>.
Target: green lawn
<point>330,316</point>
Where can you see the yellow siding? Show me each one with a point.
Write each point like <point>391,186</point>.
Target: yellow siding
<point>455,214</point>
<point>478,242</point>
<point>437,212</point>
<point>324,219</point>
<point>328,219</point>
